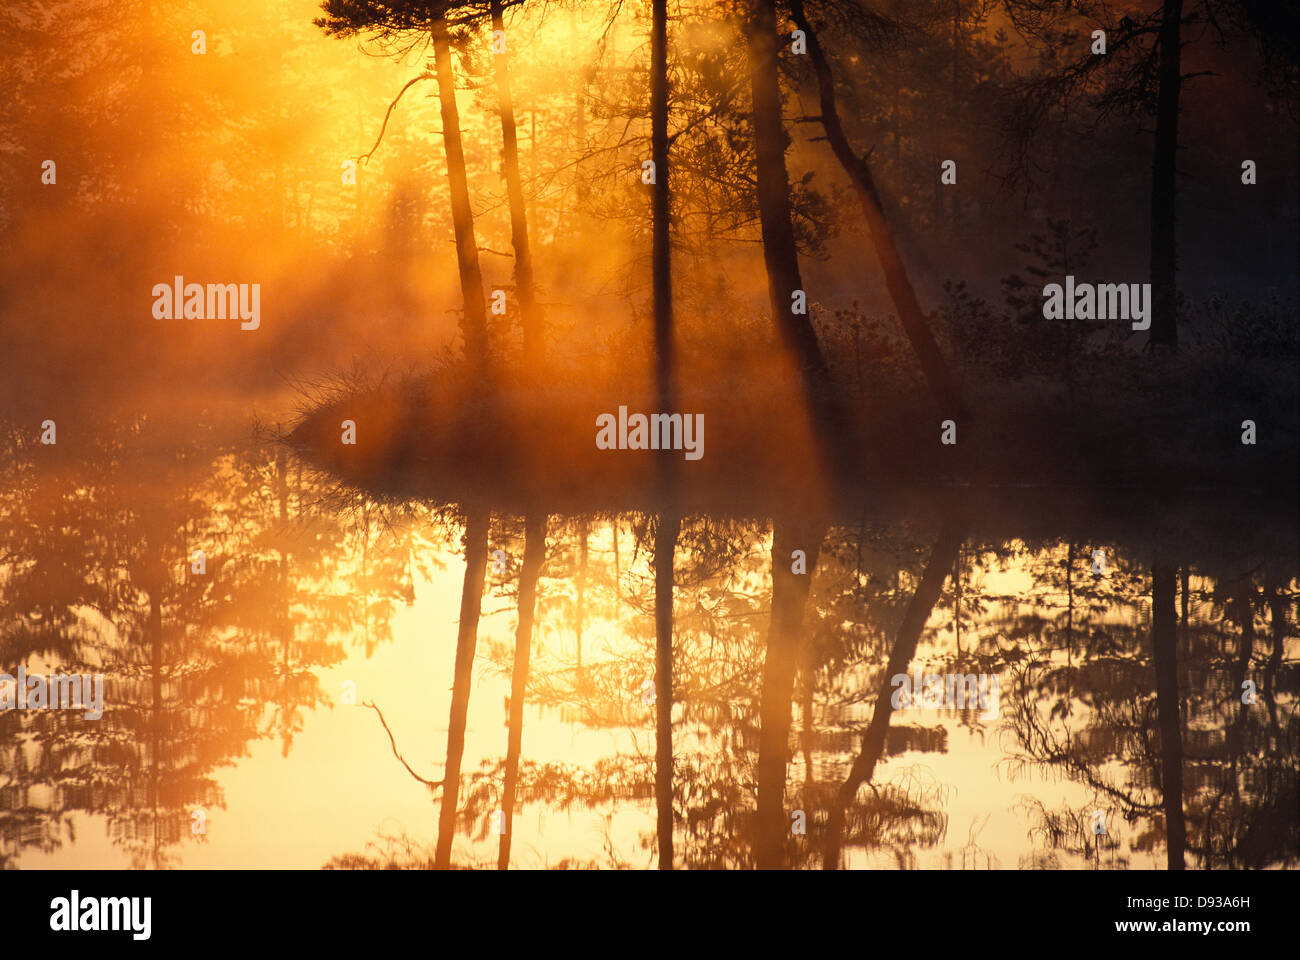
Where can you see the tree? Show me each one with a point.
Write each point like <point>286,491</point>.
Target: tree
<point>668,521</point>
<point>1164,647</point>
<point>534,557</point>
<point>1141,71</point>
<point>897,280</point>
<point>943,557</point>
<point>346,19</point>
<point>525,285</point>
<point>1164,185</point>
<point>665,550</point>
<point>780,254</point>
<point>784,636</point>
<point>471,600</point>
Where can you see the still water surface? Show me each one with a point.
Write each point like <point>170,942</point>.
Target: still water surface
<point>241,729</point>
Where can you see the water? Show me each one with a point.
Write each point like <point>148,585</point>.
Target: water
<point>240,725</point>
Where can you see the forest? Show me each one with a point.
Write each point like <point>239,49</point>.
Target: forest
<point>364,360</point>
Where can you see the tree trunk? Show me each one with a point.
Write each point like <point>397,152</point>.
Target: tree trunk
<point>956,107</point>
<point>1164,642</point>
<point>780,254</point>
<point>806,732</point>
<point>661,248</point>
<point>471,598</point>
<point>1164,189</point>
<point>897,280</point>
<point>474,321</point>
<point>580,607</point>
<point>1277,605</point>
<point>157,713</point>
<point>618,575</point>
<point>785,631</point>
<point>942,558</point>
<point>1246,644</point>
<point>665,548</point>
<point>525,287</point>
<point>669,522</point>
<point>534,555</point>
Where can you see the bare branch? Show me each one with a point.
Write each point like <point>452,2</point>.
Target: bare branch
<point>365,157</point>
<point>431,784</point>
